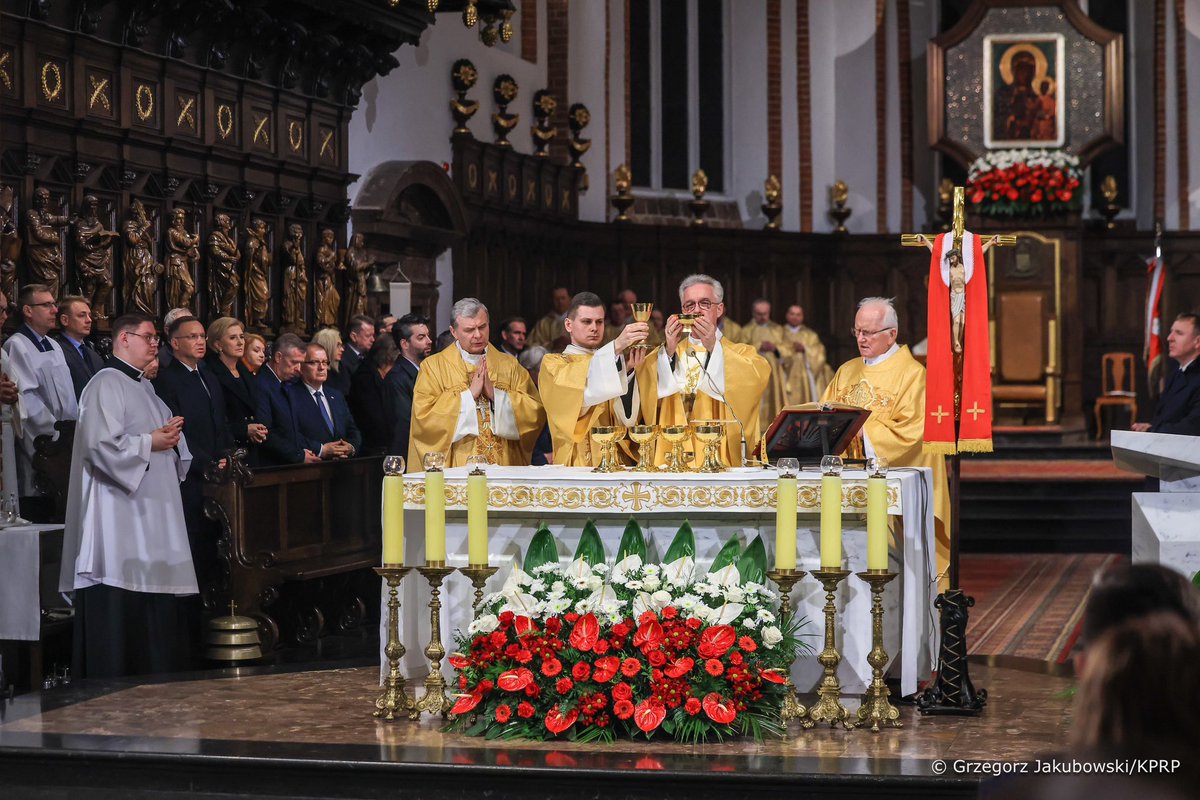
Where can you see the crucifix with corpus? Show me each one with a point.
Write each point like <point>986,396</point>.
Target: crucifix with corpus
<point>958,415</point>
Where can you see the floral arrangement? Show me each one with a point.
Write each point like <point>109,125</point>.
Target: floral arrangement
<point>1024,183</point>
<point>588,652</point>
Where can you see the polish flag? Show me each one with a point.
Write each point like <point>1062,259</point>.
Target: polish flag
<point>1153,352</point>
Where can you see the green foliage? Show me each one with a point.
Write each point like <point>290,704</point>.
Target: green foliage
<point>543,549</point>
<point>1196,578</point>
<point>752,566</point>
<point>728,555</point>
<point>591,548</point>
<point>633,543</point>
<point>684,544</point>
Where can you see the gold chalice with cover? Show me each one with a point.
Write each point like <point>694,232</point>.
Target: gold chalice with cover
<point>676,435</point>
<point>607,437</point>
<point>644,436</point>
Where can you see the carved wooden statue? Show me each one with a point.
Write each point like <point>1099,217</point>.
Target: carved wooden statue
<point>141,270</point>
<point>223,257</point>
<point>358,268</point>
<point>258,271</point>
<point>183,254</point>
<point>44,242</point>
<point>93,257</point>
<point>10,244</point>
<point>329,300</point>
<point>295,280</point>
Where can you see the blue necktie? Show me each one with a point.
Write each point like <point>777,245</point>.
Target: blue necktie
<point>44,346</point>
<point>324,412</point>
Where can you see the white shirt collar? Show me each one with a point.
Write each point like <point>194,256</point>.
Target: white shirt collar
<point>891,351</point>
<point>795,329</point>
<point>1183,367</point>
<point>313,390</point>
<point>473,360</point>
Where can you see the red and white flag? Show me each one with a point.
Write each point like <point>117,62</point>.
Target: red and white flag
<point>1153,352</point>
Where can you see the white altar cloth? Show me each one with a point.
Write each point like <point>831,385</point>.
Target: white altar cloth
<point>740,502</point>
<point>20,569</point>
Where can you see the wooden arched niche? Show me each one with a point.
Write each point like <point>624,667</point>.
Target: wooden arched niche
<point>409,214</point>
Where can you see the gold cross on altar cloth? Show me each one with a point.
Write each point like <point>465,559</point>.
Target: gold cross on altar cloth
<point>939,414</point>
<point>975,411</point>
<point>635,494</point>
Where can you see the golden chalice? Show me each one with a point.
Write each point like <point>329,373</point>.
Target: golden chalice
<point>607,437</point>
<point>641,313</point>
<point>644,436</point>
<point>686,321</point>
<point>710,433</point>
<point>676,435</point>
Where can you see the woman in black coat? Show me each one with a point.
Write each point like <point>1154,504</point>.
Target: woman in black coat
<point>226,345</point>
<point>369,403</point>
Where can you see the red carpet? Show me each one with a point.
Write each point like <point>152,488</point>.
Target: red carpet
<point>1042,469</point>
<point>1028,607</point>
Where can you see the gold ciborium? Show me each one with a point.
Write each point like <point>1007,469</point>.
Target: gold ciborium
<point>676,435</point>
<point>686,321</point>
<point>607,437</point>
<point>641,313</point>
<point>644,436</point>
<point>710,433</point>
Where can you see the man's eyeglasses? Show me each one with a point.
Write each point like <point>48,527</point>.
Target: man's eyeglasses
<point>5,309</point>
<point>152,339</point>
<point>697,305</point>
<point>47,304</point>
<point>191,337</point>
<point>861,334</point>
<point>317,364</point>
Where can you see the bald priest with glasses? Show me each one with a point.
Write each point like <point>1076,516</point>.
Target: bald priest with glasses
<point>887,381</point>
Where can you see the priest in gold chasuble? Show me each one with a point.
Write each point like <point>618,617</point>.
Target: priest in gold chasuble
<point>890,383</point>
<point>766,337</point>
<point>549,332</point>
<point>717,377</point>
<point>471,399</point>
<point>808,372</point>
<point>590,384</point>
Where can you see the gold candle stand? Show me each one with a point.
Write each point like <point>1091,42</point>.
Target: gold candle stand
<point>394,700</point>
<point>434,700</point>
<point>875,709</point>
<point>786,580</point>
<point>829,707</point>
<point>478,574</point>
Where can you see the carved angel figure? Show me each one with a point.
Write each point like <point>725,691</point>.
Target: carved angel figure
<point>141,270</point>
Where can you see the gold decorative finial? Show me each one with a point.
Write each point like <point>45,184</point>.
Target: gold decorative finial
<point>1108,188</point>
<point>839,193</point>
<point>699,184</point>
<point>773,189</point>
<point>622,179</point>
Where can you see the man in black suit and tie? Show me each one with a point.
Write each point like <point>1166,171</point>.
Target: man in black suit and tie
<point>275,407</point>
<point>324,424</point>
<point>411,333</point>
<point>75,320</point>
<point>360,336</point>
<point>1178,409</point>
<point>192,392</point>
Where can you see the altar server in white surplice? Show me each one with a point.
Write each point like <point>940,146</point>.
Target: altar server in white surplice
<point>125,546</point>
<point>36,363</point>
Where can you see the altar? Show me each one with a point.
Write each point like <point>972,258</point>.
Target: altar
<point>737,502</point>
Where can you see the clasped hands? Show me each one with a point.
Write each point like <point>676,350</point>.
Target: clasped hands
<point>481,382</point>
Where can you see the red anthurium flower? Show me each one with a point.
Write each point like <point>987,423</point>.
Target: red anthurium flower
<point>551,667</point>
<point>716,640</point>
<point>622,691</point>
<point>692,706</point>
<point>467,702</point>
<point>680,667</point>
<point>623,709</point>
<point>606,668</point>
<point>557,721</point>
<point>649,715</point>
<point>773,676</point>
<point>649,633</point>
<point>585,633</point>
<point>513,680</point>
<point>459,662</point>
<point>503,714</point>
<point>523,626</point>
<point>630,667</point>
<point>747,644</point>
<point>718,709</point>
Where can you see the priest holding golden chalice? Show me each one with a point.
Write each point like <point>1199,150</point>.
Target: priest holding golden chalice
<point>590,386</point>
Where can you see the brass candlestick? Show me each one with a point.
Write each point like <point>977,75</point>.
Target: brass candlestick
<point>786,579</point>
<point>435,700</point>
<point>829,707</point>
<point>478,574</point>
<point>394,700</point>
<point>875,709</point>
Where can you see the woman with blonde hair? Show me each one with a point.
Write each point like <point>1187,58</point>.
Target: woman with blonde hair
<point>255,354</point>
<point>331,340</point>
<point>226,346</point>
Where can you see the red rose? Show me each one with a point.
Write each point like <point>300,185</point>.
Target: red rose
<point>622,691</point>
<point>553,625</point>
<point>747,644</point>
<point>670,612</point>
<point>557,722</point>
<point>649,715</point>
<point>551,667</point>
<point>564,685</point>
<point>525,710</point>
<point>715,641</point>
<point>630,667</point>
<point>523,656</point>
<point>606,668</point>
<point>600,647</point>
<point>714,667</point>
<point>581,671</point>
<point>680,667</point>
<point>533,690</point>
<point>620,629</point>
<point>692,706</point>
<point>506,619</point>
<point>718,708</point>
<point>571,617</point>
<point>693,623</point>
<point>585,633</point>
<point>623,709</point>
<point>503,714</point>
<point>656,658</point>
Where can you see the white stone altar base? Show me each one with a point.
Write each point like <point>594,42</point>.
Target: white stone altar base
<point>1166,524</point>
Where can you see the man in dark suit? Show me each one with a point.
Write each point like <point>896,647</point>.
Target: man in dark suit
<point>368,397</point>
<point>192,392</point>
<point>75,320</point>
<point>411,333</point>
<point>1178,409</point>
<point>324,423</point>
<point>275,407</point>
<point>360,336</point>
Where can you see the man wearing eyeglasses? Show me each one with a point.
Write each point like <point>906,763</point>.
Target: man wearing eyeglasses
<point>324,424</point>
<point>707,376</point>
<point>887,381</point>
<point>39,368</point>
